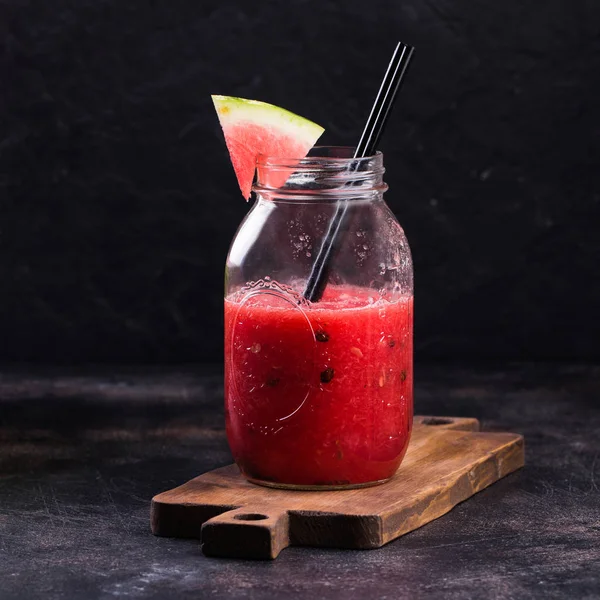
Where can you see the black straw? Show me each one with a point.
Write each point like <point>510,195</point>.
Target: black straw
<point>367,145</point>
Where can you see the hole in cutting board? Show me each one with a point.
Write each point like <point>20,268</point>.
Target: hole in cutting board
<point>436,421</point>
<point>250,517</point>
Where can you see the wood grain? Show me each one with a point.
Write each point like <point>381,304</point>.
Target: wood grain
<point>448,461</point>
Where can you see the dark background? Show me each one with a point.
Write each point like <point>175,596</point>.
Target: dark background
<point>118,202</point>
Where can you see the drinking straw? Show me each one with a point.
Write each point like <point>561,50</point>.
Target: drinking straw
<point>367,145</point>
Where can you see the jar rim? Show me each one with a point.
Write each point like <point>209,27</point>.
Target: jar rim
<point>326,173</point>
<point>323,156</point>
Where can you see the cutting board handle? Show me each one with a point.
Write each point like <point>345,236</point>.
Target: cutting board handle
<point>248,532</point>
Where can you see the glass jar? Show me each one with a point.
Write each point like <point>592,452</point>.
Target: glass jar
<point>319,395</point>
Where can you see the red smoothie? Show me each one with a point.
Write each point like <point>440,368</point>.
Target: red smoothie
<point>321,394</point>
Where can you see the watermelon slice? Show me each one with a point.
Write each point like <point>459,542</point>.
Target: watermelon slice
<point>252,128</point>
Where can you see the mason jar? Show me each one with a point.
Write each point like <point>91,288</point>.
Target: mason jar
<point>319,393</point>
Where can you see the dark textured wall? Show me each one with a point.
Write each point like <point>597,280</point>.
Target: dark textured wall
<point>117,200</point>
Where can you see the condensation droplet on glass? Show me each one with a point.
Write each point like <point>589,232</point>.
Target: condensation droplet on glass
<point>381,268</point>
<point>308,254</point>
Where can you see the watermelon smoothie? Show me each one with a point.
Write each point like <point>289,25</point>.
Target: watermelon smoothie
<point>318,395</point>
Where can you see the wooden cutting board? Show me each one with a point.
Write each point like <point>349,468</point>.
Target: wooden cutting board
<point>448,460</point>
